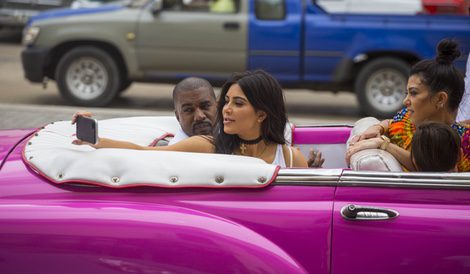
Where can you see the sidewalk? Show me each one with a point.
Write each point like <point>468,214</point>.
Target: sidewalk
<point>32,116</point>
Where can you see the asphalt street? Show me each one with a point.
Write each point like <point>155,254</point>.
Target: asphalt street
<point>27,105</point>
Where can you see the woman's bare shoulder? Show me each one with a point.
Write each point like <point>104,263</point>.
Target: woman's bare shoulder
<point>298,159</point>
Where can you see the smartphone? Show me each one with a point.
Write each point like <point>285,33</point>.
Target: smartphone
<point>87,129</point>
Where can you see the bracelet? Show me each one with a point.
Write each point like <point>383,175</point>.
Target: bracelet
<point>381,126</point>
<point>385,143</point>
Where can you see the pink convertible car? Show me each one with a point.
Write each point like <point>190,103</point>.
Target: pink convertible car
<point>73,209</point>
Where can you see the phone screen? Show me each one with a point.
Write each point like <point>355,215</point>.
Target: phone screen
<point>87,129</point>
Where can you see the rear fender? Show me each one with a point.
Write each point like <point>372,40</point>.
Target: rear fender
<point>105,237</point>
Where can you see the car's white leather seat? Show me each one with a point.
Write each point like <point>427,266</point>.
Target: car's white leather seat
<point>371,159</point>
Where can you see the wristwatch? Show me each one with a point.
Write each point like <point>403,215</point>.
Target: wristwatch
<point>385,143</point>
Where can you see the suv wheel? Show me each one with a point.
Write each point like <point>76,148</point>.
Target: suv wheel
<point>381,86</point>
<point>88,76</point>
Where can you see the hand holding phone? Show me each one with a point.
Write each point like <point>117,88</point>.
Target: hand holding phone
<point>87,129</point>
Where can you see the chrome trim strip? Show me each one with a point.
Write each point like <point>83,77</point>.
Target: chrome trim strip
<point>405,185</point>
<point>409,175</point>
<point>405,180</point>
<point>323,53</point>
<point>348,178</point>
<point>286,53</point>
<point>310,172</point>
<point>307,177</point>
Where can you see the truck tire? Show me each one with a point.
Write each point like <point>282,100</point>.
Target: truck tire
<point>88,76</point>
<point>380,87</point>
<point>125,84</point>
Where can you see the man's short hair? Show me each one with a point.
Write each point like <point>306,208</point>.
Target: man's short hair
<point>192,83</point>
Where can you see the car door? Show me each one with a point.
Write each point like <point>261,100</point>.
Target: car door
<point>191,38</point>
<point>401,223</point>
<point>275,38</point>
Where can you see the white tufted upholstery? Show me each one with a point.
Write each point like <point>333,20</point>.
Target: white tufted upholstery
<point>371,159</point>
<point>51,154</point>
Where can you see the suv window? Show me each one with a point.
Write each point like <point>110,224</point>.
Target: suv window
<point>270,9</point>
<point>212,6</point>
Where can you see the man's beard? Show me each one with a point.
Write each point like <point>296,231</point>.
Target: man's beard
<point>202,128</point>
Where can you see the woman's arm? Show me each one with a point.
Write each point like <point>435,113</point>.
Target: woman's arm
<point>193,144</point>
<point>372,132</point>
<point>298,158</point>
<point>465,122</point>
<point>403,156</point>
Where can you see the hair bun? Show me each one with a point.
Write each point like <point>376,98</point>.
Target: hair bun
<point>447,51</point>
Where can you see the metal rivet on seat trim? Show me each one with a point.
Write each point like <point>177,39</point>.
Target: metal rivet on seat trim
<point>115,179</point>
<point>60,175</point>
<point>173,179</point>
<point>219,179</point>
<point>262,180</point>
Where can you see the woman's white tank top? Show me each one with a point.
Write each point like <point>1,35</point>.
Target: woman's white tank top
<point>279,158</point>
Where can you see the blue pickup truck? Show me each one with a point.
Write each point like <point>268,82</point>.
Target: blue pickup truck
<point>94,54</point>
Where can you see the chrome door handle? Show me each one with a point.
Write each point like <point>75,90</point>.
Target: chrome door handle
<point>354,212</point>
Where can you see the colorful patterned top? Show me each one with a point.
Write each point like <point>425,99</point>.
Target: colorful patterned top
<point>401,130</point>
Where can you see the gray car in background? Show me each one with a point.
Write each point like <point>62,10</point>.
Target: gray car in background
<point>14,14</point>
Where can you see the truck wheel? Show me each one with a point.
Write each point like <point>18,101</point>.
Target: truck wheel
<point>125,84</point>
<point>381,85</point>
<point>88,76</point>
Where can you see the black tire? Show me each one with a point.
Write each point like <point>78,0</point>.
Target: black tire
<point>125,84</point>
<point>380,87</point>
<point>88,76</point>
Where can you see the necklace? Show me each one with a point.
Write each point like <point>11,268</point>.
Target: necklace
<point>244,142</point>
<point>243,147</point>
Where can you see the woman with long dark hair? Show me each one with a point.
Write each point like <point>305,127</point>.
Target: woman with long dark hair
<point>251,118</point>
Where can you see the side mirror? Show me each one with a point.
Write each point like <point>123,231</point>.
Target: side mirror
<point>157,6</point>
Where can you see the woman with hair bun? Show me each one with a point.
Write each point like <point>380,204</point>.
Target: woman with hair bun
<point>434,91</point>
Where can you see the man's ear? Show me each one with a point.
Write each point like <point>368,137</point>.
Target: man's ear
<point>261,116</point>
<point>177,116</point>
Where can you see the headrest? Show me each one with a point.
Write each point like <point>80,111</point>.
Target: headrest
<point>50,153</point>
<point>371,159</point>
